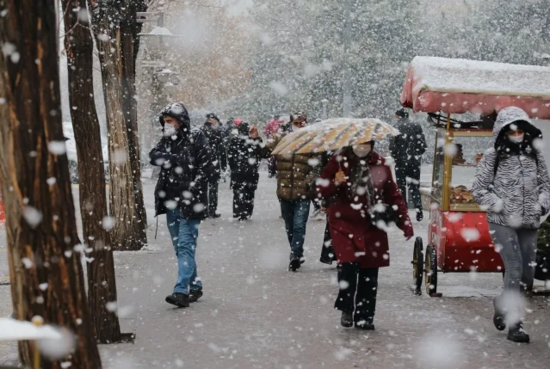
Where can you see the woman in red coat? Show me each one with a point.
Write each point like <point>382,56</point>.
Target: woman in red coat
<point>364,200</point>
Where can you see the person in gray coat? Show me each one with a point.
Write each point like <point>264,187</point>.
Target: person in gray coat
<point>513,185</point>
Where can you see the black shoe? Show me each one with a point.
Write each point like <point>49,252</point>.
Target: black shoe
<point>179,299</point>
<point>294,265</point>
<point>215,216</point>
<point>365,325</point>
<point>347,319</point>
<point>499,319</point>
<point>517,334</point>
<point>419,215</point>
<point>326,260</point>
<point>195,295</point>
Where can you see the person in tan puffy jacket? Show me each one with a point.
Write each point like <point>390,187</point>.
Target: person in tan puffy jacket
<point>296,176</point>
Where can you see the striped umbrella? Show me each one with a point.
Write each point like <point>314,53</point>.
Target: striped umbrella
<point>332,135</point>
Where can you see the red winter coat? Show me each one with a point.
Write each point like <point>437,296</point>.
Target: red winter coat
<point>354,238</point>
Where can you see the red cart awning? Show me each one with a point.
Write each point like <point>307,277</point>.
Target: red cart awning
<point>458,86</point>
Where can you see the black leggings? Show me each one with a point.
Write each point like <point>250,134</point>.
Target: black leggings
<point>358,290</point>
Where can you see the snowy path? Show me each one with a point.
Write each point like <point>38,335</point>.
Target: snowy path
<point>255,314</point>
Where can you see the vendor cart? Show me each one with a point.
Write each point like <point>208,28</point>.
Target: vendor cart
<point>458,233</point>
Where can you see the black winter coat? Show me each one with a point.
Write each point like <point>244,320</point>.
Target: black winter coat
<point>219,157</point>
<point>186,165</point>
<point>410,145</point>
<point>244,156</point>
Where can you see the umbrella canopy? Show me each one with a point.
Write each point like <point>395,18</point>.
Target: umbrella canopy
<point>332,135</point>
<point>456,86</point>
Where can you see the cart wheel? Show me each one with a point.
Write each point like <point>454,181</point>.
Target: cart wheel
<point>430,273</point>
<point>418,265</point>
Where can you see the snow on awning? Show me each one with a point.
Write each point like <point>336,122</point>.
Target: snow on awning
<point>457,86</point>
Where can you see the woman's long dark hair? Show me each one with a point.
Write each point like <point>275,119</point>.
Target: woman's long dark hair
<point>506,148</point>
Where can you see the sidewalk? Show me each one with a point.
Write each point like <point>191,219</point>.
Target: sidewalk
<point>255,314</point>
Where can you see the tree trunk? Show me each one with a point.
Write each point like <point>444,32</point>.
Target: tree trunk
<point>126,195</point>
<point>45,267</point>
<point>129,29</point>
<point>79,45</point>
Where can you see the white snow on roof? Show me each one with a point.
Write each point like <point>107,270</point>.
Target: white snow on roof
<point>161,31</point>
<point>480,77</point>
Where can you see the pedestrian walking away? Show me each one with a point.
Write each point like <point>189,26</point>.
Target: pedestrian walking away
<point>271,130</point>
<point>364,201</point>
<point>513,185</point>
<point>215,138</point>
<point>185,159</point>
<point>295,189</point>
<point>407,150</point>
<point>244,156</point>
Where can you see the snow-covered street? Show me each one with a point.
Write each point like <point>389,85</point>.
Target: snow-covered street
<point>256,314</point>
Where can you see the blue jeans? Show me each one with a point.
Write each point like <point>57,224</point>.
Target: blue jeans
<point>184,235</point>
<point>295,214</point>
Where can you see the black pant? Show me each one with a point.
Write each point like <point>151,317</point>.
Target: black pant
<point>409,174</point>
<point>213,185</point>
<point>243,199</point>
<point>358,289</point>
<point>327,252</point>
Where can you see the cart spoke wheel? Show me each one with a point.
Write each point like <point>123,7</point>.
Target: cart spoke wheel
<point>418,265</point>
<point>430,273</point>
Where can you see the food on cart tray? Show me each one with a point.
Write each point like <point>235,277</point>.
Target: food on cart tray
<point>462,195</point>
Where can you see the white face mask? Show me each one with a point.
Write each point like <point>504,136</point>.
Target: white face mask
<point>169,130</point>
<point>362,150</point>
<point>517,139</point>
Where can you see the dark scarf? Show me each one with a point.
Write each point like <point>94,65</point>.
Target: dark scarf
<point>361,189</point>
<point>507,148</point>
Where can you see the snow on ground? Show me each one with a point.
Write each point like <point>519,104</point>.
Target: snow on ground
<point>255,314</point>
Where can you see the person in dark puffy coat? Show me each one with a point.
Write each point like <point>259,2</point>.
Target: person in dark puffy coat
<point>364,199</point>
<point>214,134</point>
<point>296,176</point>
<point>513,185</point>
<point>181,193</point>
<point>244,156</point>
<point>407,150</point>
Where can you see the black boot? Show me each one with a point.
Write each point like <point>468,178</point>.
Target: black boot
<point>518,334</point>
<point>195,295</point>
<point>347,319</point>
<point>179,299</point>
<point>499,318</point>
<point>366,325</point>
<point>295,264</point>
<point>419,215</point>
